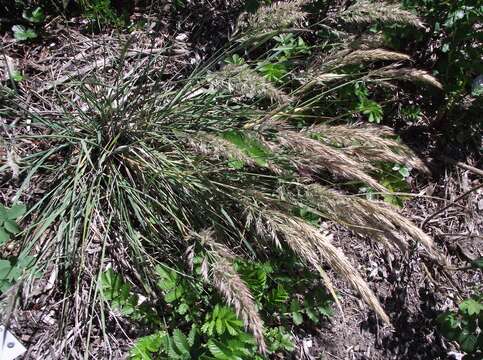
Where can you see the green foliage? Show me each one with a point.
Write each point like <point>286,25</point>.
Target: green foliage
<point>122,298</point>
<point>22,33</point>
<point>314,306</point>
<point>464,325</point>
<point>221,321</point>
<point>35,16</point>
<point>8,221</point>
<point>102,13</point>
<point>146,347</point>
<point>478,263</point>
<point>12,270</point>
<point>366,106</point>
<point>411,113</point>
<point>235,59</point>
<point>279,340</point>
<point>274,72</point>
<point>249,146</point>
<point>288,46</point>
<point>452,33</point>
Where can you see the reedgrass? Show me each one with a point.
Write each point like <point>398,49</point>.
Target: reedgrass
<point>132,167</point>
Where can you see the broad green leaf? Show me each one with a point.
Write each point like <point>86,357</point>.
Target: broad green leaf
<point>3,213</point>
<point>36,16</point>
<point>297,318</point>
<point>4,236</point>
<point>219,351</point>
<point>16,211</point>
<point>181,341</point>
<point>11,226</point>
<point>250,147</point>
<point>5,268</point>
<point>467,341</point>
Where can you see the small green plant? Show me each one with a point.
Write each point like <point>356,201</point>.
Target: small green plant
<point>235,59</point>
<point>102,12</point>
<point>35,16</point>
<point>25,33</point>
<point>314,306</point>
<point>221,321</point>
<point>274,72</point>
<point>465,325</point>
<point>279,340</point>
<point>368,107</point>
<point>22,33</point>
<point>146,347</point>
<point>411,113</point>
<point>8,221</point>
<point>122,298</point>
<point>288,46</point>
<point>12,270</point>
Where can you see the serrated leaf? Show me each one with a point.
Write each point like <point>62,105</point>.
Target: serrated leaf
<point>249,146</point>
<point>16,211</point>
<point>181,341</point>
<point>467,341</point>
<point>312,314</point>
<point>11,226</point>
<point>218,350</point>
<point>471,307</point>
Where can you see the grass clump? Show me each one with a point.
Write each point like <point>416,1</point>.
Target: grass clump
<point>175,183</point>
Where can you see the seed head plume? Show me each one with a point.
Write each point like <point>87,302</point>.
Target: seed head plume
<point>274,17</point>
<point>315,247</point>
<point>244,82</point>
<point>215,147</point>
<point>367,12</point>
<point>369,143</point>
<point>313,153</point>
<point>375,219</point>
<point>409,74</point>
<point>228,282</point>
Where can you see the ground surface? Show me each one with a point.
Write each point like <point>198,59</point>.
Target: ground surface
<point>412,290</point>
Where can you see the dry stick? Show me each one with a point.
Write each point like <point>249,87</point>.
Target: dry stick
<point>463,165</point>
<point>449,205</point>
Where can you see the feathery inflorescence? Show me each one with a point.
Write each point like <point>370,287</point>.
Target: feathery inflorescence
<point>277,16</point>
<point>314,247</point>
<point>375,219</point>
<point>408,74</point>
<point>228,282</point>
<point>316,155</point>
<point>369,143</point>
<point>244,82</point>
<point>365,12</point>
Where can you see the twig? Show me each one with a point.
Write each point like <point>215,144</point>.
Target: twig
<point>449,205</point>
<point>463,165</point>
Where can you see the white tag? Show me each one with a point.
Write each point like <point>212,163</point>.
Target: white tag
<point>10,347</point>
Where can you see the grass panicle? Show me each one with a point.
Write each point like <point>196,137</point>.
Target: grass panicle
<point>367,12</point>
